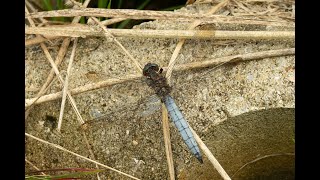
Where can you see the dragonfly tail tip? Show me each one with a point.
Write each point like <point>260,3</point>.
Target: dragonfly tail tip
<point>200,159</point>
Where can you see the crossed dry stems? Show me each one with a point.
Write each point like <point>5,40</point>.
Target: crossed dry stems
<point>42,34</point>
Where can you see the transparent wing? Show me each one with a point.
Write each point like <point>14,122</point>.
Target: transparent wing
<point>202,74</point>
<point>152,105</point>
<point>145,107</point>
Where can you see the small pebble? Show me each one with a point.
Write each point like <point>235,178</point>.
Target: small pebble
<point>135,142</point>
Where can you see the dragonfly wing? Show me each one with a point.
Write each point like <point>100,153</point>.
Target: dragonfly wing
<point>152,105</point>
<point>143,108</point>
<point>182,126</point>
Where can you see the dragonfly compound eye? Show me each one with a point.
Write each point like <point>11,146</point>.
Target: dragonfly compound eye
<point>150,67</point>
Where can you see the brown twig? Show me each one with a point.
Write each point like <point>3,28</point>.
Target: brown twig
<point>181,67</point>
<point>84,30</point>
<point>236,58</point>
<point>107,22</point>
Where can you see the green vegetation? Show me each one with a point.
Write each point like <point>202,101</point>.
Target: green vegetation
<point>50,5</point>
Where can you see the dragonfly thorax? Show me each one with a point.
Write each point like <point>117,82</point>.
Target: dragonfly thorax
<point>156,80</point>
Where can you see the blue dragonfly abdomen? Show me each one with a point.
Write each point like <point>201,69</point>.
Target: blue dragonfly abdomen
<point>182,126</point>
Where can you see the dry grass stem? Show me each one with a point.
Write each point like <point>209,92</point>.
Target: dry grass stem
<point>181,42</point>
<point>108,21</point>
<point>48,56</point>
<point>148,14</point>
<point>66,82</point>
<point>84,88</point>
<point>75,154</point>
<point>173,60</point>
<point>235,58</point>
<point>243,20</point>
<point>112,21</point>
<point>30,6</point>
<point>38,40</point>
<point>35,167</point>
<point>263,157</point>
<point>45,86</point>
<point>108,34</point>
<point>61,53</point>
<point>181,67</point>
<point>84,31</point>
<point>167,142</point>
<point>55,68</point>
<point>210,156</point>
<point>28,109</point>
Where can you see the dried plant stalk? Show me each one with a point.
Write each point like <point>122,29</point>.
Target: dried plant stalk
<point>210,156</point>
<point>148,14</point>
<point>108,21</point>
<point>181,42</point>
<point>182,67</point>
<point>262,157</point>
<point>66,82</point>
<point>235,58</point>
<point>61,53</point>
<point>83,31</point>
<point>38,40</point>
<point>59,58</point>
<point>75,154</point>
<point>82,89</point>
<point>167,142</point>
<point>108,34</point>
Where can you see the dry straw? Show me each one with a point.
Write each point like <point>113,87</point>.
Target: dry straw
<point>244,14</point>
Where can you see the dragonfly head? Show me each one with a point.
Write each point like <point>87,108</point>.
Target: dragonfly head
<point>149,68</point>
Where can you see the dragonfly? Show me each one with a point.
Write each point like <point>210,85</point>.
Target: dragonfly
<point>158,82</point>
